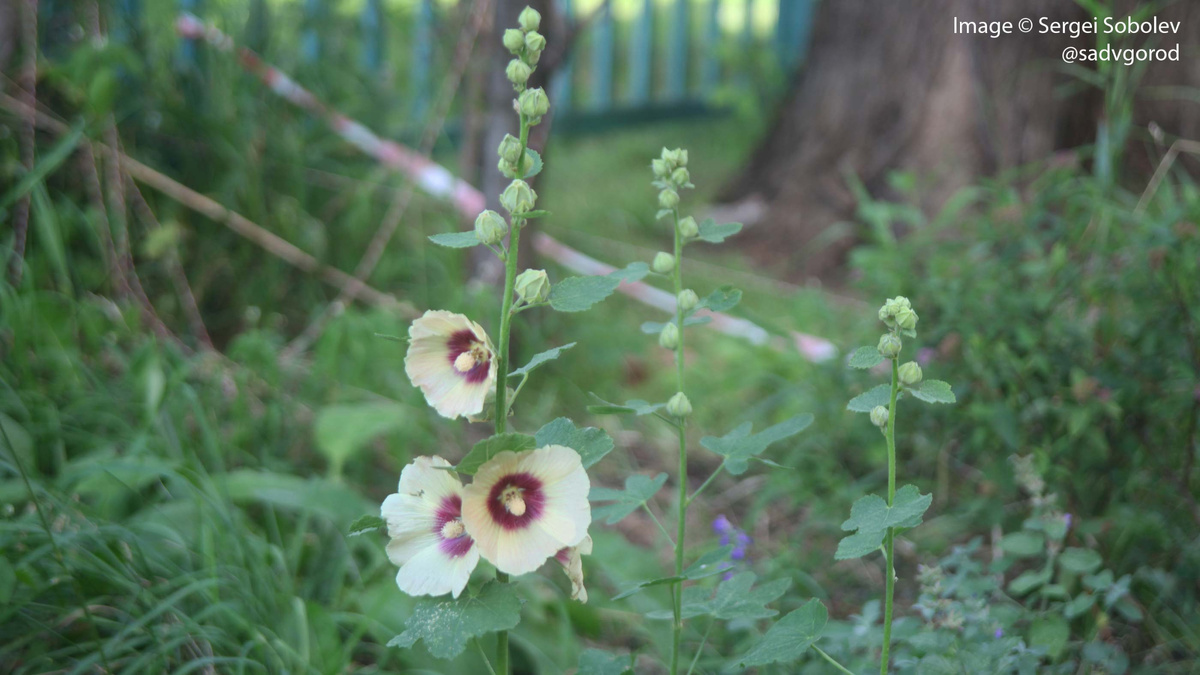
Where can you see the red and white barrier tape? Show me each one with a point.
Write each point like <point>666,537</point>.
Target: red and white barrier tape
<point>439,182</point>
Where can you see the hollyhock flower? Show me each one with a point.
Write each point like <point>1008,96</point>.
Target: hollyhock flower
<point>524,507</point>
<point>452,360</point>
<point>571,558</point>
<point>424,521</point>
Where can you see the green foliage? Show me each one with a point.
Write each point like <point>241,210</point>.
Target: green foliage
<point>488,448</point>
<point>541,358</point>
<point>713,233</point>
<point>865,358</point>
<point>456,239</point>
<point>739,446</point>
<point>871,517</point>
<point>591,443</point>
<point>577,294</point>
<point>790,637</point>
<point>638,490</point>
<point>445,625</point>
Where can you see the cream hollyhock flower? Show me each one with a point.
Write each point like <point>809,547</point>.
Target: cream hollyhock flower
<point>522,508</point>
<point>424,521</point>
<point>571,559</point>
<point>451,359</point>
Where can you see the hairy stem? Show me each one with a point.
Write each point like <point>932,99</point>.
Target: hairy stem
<point>677,277</point>
<point>889,540</point>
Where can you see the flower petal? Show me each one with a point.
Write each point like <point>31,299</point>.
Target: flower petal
<point>433,572</point>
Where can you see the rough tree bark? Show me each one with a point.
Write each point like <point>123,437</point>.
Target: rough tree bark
<point>889,86</point>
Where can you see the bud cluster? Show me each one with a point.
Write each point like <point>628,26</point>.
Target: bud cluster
<point>898,314</point>
<point>525,43</point>
<point>671,176</point>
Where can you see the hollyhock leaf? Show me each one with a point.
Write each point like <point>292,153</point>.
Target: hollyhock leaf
<point>591,443</point>
<point>738,598</point>
<point>705,566</point>
<point>599,662</point>
<point>536,168</point>
<point>446,625</point>
<point>456,239</point>
<point>541,358</point>
<point>866,401</point>
<point>865,357</point>
<point>576,294</point>
<point>490,447</point>
<point>632,407</point>
<point>638,490</point>
<point>739,445</point>
<point>367,523</point>
<point>713,233</point>
<point>634,271</point>
<point>873,513</point>
<point>859,544</point>
<point>790,637</point>
<point>640,586</point>
<point>933,391</point>
<point>722,299</point>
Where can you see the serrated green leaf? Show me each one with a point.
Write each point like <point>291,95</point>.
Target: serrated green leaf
<point>456,239</point>
<point>933,391</point>
<point>859,544</point>
<point>790,637</point>
<point>1080,560</point>
<point>638,490</point>
<point>540,358</point>
<point>738,598</point>
<point>634,271</point>
<point>1050,633</point>
<point>534,167</point>
<point>445,625</point>
<point>713,233</point>
<point>722,299</point>
<point>591,443</point>
<point>598,662</point>
<point>576,294</point>
<point>866,357</point>
<point>490,447</point>
<point>706,565</point>
<point>367,523</point>
<point>878,395</point>
<point>871,516</point>
<point>739,445</point>
<point>1023,544</point>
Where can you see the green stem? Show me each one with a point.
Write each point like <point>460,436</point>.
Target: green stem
<point>700,650</point>
<point>667,535</point>
<point>889,540</point>
<point>506,314</point>
<point>677,277</point>
<point>705,484</point>
<point>829,658</point>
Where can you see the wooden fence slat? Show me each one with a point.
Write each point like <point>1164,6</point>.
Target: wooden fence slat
<point>562,87</point>
<point>710,67</point>
<point>422,62</point>
<point>641,55</point>
<point>677,58</point>
<point>373,42</point>
<point>310,41</point>
<point>602,60</point>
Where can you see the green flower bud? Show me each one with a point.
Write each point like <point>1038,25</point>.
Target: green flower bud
<point>510,149</point>
<point>490,227</point>
<point>669,337</point>
<point>532,103</point>
<point>668,198</point>
<point>530,19</point>
<point>664,263</point>
<point>533,286</point>
<point>687,299</point>
<point>514,40</point>
<point>879,416</point>
<point>688,229</point>
<point>910,374</point>
<point>902,302</point>
<point>534,42</point>
<point>518,197</point>
<point>889,346</point>
<point>679,405</point>
<point>661,168</point>
<point>906,319</point>
<point>680,176</point>
<point>885,315</point>
<point>518,71</point>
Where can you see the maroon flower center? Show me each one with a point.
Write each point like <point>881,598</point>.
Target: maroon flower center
<point>469,356</point>
<point>448,520</point>
<point>516,501</point>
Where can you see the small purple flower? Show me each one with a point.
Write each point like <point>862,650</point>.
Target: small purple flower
<point>721,525</point>
<point>999,633</point>
<point>1067,519</point>
<point>925,356</point>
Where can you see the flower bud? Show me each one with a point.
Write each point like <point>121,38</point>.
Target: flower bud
<point>668,198</point>
<point>889,346</point>
<point>680,176</point>
<point>687,299</point>
<point>518,71</point>
<point>535,42</point>
<point>664,263</point>
<point>510,149</point>
<point>530,19</point>
<point>661,168</point>
<point>532,103</point>
<point>681,157</point>
<point>679,405</point>
<point>910,374</point>
<point>533,286</point>
<point>688,229</point>
<point>879,416</point>
<point>906,319</point>
<point>518,197</point>
<point>514,40</point>
<point>669,337</point>
<point>490,228</point>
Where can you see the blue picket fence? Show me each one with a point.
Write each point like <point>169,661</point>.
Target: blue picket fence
<point>633,59</point>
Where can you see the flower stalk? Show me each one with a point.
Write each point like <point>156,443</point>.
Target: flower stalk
<point>677,278</point>
<point>889,538</point>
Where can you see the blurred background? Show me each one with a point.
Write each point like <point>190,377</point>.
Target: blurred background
<point>215,214</point>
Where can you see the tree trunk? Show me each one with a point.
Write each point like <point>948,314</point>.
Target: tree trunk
<point>889,86</point>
